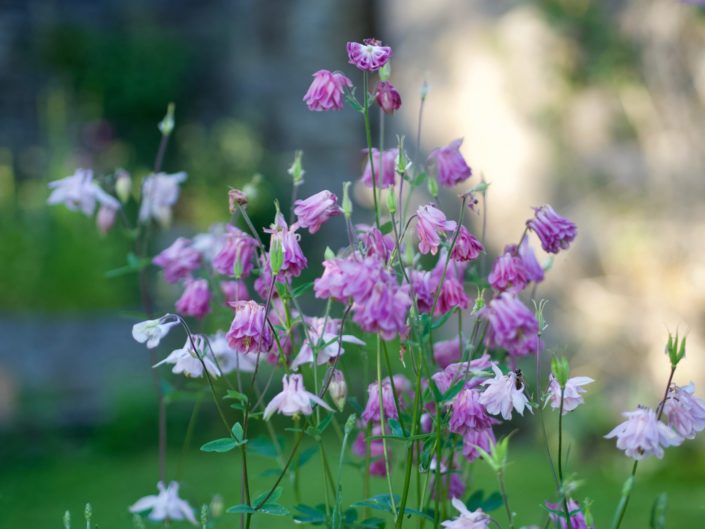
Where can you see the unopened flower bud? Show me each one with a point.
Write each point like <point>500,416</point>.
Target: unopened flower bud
<point>425,89</point>
<point>328,254</point>
<point>432,186</point>
<point>675,349</point>
<point>479,302</point>
<point>347,203</point>
<point>350,423</point>
<point>338,389</point>
<point>392,202</point>
<point>166,125</point>
<point>123,185</point>
<point>387,97</point>
<point>276,256</point>
<point>560,370</point>
<point>296,170</point>
<point>235,198</point>
<point>385,72</point>
<point>105,219</point>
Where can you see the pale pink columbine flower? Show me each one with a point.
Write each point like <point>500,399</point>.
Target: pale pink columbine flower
<point>160,192</point>
<point>555,232</point>
<point>431,224</point>
<point>249,332</point>
<point>227,358</point>
<point>369,56</point>
<point>572,394</point>
<point>504,393</point>
<point>191,359</point>
<point>234,291</point>
<point>384,166</point>
<point>387,97</point>
<point>685,411</point>
<point>105,219</point>
<point>195,300</point>
<point>467,519</point>
<point>151,332</point>
<point>326,91</point>
<point>577,518</point>
<point>294,259</point>
<point>178,260</point>
<point>451,167</point>
<point>236,253</point>
<point>79,192</point>
<point>512,326</point>
<point>467,247</point>
<point>325,339</point>
<point>165,506</point>
<point>293,399</point>
<point>446,352</point>
<point>642,434</point>
<point>349,278</point>
<point>316,209</point>
<point>424,286</point>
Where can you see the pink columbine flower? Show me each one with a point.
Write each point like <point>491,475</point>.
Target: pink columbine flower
<point>384,166</point>
<point>554,231</point>
<point>79,192</point>
<point>195,301</point>
<point>467,247</point>
<point>452,296</point>
<point>236,253</point>
<point>369,56</point>
<point>178,260</point>
<point>345,279</point>
<point>512,326</point>
<point>467,413</point>
<point>316,209</point>
<point>151,332</point>
<point>504,392</point>
<point>159,194</point>
<point>227,358</point>
<point>189,360</point>
<point>249,332</point>
<point>375,242</point>
<point>359,448</point>
<point>454,372</point>
<point>387,97</point>
<point>234,291</point>
<point>474,439</point>
<point>532,269</point>
<point>467,519</point>
<point>325,339</point>
<point>508,274</point>
<point>326,91</point>
<point>642,434</point>
<point>577,520</point>
<point>431,224</point>
<point>446,352</point>
<point>294,259</point>
<point>451,167</point>
<point>166,505</point>
<point>384,311</point>
<point>572,394</point>
<point>424,287</point>
<point>293,399</point>
<point>685,411</point>
<point>372,409</point>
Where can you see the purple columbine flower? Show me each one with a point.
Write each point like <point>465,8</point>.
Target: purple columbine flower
<point>467,519</point>
<point>316,209</point>
<point>293,399</point>
<point>467,247</point>
<point>345,279</point>
<point>532,268</point>
<point>512,326</point>
<point>454,372</point>
<point>508,274</point>
<point>385,168</point>
<point>431,224</point>
<point>685,411</point>
<point>387,97</point>
<point>474,439</point>
<point>504,393</point>
<point>643,435</point>
<point>555,232</point>
<point>452,296</point>
<point>195,301</point>
<point>446,352</point>
<point>372,409</point>
<point>178,260</point>
<point>249,332</point>
<point>572,394</point>
<point>359,448</point>
<point>236,253</point>
<point>451,167</point>
<point>369,56</point>
<point>234,291</point>
<point>375,242</point>
<point>577,518</point>
<point>294,259</point>
<point>425,285</point>
<point>467,413</point>
<point>327,91</point>
<point>385,310</point>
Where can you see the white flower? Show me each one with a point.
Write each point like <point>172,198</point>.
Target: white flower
<point>467,520</point>
<point>80,192</point>
<point>327,338</point>
<point>159,193</point>
<point>228,359</point>
<point>152,331</point>
<point>190,362</point>
<point>293,399</point>
<point>502,394</point>
<point>685,411</point>
<point>572,393</point>
<point>166,505</point>
<point>642,434</point>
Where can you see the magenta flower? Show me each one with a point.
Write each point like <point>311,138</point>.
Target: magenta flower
<point>572,394</point>
<point>512,326</point>
<point>431,224</point>
<point>446,352</point>
<point>554,231</point>
<point>345,279</point>
<point>326,91</point>
<point>195,301</point>
<point>451,167</point>
<point>293,399</point>
<point>454,372</point>
<point>474,439</point>
<point>369,56</point>
<point>372,409</point>
<point>452,296</point>
<point>532,268</point>
<point>375,243</point>
<point>385,168</point>
<point>577,519</point>
<point>685,412</point>
<point>424,287</point>
<point>316,210</point>
<point>467,519</point>
<point>249,333</point>
<point>467,413</point>
<point>387,97</point>
<point>643,435</point>
<point>385,310</point>
<point>178,260</point>
<point>236,254</point>
<point>504,393</point>
<point>234,291</point>
<point>467,247</point>
<point>508,274</point>
<point>294,259</point>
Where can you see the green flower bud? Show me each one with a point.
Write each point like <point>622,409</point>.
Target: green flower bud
<point>123,185</point>
<point>560,369</point>
<point>347,203</point>
<point>166,125</point>
<point>675,349</point>
<point>391,201</point>
<point>385,72</point>
<point>328,254</point>
<point>296,170</point>
<point>276,256</point>
<point>432,184</point>
<point>350,424</point>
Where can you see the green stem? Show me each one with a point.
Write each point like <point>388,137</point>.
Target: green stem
<point>505,498</point>
<point>560,461</point>
<point>368,135</point>
<point>381,423</point>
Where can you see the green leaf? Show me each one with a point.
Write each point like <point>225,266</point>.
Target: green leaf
<point>310,515</point>
<point>396,428</point>
<point>134,264</point>
<point>220,445</point>
<point>444,318</point>
<point>235,395</point>
<point>237,432</point>
<point>372,523</point>
<point>387,227</point>
<point>276,494</point>
<point>453,391</point>
<point>302,289</point>
<point>239,509</point>
<point>274,509</point>
<point>263,446</point>
<point>658,512</point>
<point>306,456</point>
<point>324,423</point>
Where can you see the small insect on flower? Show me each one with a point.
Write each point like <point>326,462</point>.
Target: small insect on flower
<point>369,56</point>
<point>166,506</point>
<point>293,399</point>
<point>152,331</point>
<point>504,392</point>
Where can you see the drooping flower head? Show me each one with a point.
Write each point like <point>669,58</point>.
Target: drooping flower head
<point>431,224</point>
<point>451,167</point>
<point>685,411</point>
<point>451,296</point>
<point>387,97</point>
<point>326,91</point>
<point>467,519</point>
<point>369,56</point>
<point>385,309</point>
<point>532,268</point>
<point>424,285</point>
<point>504,393</point>
<point>375,242</point>
<point>195,300</point>
<point>467,247</point>
<point>236,253</point>
<point>508,274</point>
<point>572,394</point>
<point>554,231</point>
<point>249,332</point>
<point>178,260</point>
<point>325,340</point>
<point>512,326</point>
<point>191,359</point>
<point>372,408</point>
<point>384,166</point>
<point>350,278</point>
<point>160,192</point>
<point>474,439</point>
<point>577,518</point>
<point>643,435</point>
<point>79,192</point>
<point>293,399</point>
<point>294,260</point>
<point>316,209</point>
<point>467,413</point>
<point>227,358</point>
<point>457,371</point>
<point>338,389</point>
<point>151,332</point>
<point>165,506</point>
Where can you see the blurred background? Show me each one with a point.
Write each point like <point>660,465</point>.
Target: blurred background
<point>595,107</point>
